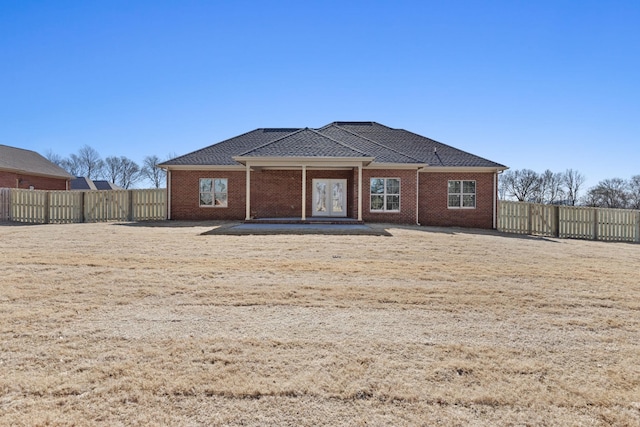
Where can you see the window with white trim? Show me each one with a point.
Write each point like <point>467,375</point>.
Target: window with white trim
<point>462,194</point>
<point>213,192</point>
<point>385,194</point>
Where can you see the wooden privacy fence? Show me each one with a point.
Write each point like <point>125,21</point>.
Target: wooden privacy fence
<point>60,207</point>
<point>620,225</point>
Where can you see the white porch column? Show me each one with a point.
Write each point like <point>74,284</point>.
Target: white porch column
<point>248,191</point>
<point>304,192</point>
<point>360,192</point>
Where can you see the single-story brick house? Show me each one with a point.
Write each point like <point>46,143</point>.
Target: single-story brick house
<point>360,170</point>
<point>27,169</point>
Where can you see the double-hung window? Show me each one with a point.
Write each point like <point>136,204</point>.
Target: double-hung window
<point>385,194</point>
<point>462,194</point>
<point>213,192</point>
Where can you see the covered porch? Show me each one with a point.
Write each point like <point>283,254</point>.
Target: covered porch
<point>327,191</point>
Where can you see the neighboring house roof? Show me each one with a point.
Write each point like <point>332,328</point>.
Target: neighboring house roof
<point>29,162</point>
<point>84,183</point>
<point>106,185</point>
<point>337,139</point>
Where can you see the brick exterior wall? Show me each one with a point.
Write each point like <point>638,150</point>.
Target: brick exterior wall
<point>185,196</point>
<point>16,180</point>
<point>277,193</point>
<point>433,209</point>
<point>407,214</point>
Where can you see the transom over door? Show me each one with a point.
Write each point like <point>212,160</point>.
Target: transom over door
<point>329,197</point>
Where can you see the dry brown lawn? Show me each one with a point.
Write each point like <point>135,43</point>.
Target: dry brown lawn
<point>112,324</point>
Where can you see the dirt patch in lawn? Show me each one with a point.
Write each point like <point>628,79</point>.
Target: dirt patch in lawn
<point>104,324</point>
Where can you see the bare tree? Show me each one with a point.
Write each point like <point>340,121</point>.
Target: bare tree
<point>90,162</point>
<point>73,165</point>
<point>129,172</point>
<point>549,189</point>
<point>610,193</point>
<point>521,184</point>
<point>112,168</point>
<point>54,158</point>
<point>572,181</point>
<point>634,192</point>
<point>152,172</point>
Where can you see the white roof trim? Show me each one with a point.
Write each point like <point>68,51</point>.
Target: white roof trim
<point>461,169</point>
<point>411,166</point>
<point>301,160</point>
<point>202,167</point>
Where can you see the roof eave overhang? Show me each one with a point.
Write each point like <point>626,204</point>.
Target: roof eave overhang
<point>201,167</point>
<point>376,165</point>
<point>302,160</point>
<point>26,172</point>
<point>483,169</point>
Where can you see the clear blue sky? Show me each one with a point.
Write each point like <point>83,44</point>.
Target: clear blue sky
<point>530,84</point>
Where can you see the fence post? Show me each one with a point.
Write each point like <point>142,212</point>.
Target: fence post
<point>529,219</point>
<point>595,223</point>
<point>638,227</point>
<point>556,221</point>
<point>83,217</point>
<point>130,213</point>
<point>47,204</point>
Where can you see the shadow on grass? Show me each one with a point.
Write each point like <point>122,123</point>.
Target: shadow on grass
<point>461,230</point>
<point>17,224</point>
<point>174,224</point>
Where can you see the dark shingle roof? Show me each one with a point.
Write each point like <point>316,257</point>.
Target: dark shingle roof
<point>426,150</point>
<point>82,183</point>
<point>337,139</point>
<point>381,153</point>
<point>304,143</point>
<point>223,152</point>
<point>106,185</point>
<point>29,162</point>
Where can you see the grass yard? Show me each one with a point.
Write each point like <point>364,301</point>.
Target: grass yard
<point>111,324</point>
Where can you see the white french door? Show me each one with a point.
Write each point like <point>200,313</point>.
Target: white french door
<point>329,197</point>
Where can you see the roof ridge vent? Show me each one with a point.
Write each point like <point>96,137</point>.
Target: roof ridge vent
<point>354,123</point>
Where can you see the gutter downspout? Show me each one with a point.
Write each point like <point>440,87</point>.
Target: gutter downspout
<point>247,183</point>
<point>495,199</point>
<point>417,196</point>
<point>168,193</point>
<point>495,190</point>
<point>304,192</point>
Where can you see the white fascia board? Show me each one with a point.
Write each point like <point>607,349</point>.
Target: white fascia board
<point>410,166</point>
<point>437,169</point>
<point>299,161</point>
<point>202,167</point>
<point>298,167</point>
